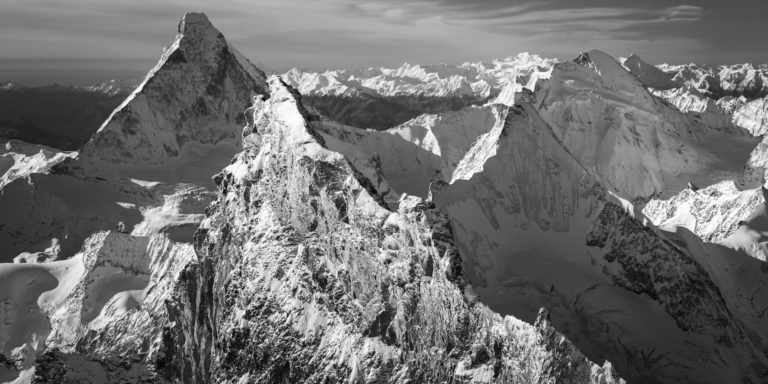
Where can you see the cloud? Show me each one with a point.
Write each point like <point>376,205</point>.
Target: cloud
<point>354,33</point>
<point>683,13</point>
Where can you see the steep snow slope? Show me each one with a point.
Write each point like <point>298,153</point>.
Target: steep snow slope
<point>523,207</point>
<point>300,258</point>
<point>213,79</point>
<point>626,292</point>
<point>413,154</point>
<point>635,143</point>
<point>124,210</point>
<point>649,75</point>
<point>180,126</point>
<point>108,300</point>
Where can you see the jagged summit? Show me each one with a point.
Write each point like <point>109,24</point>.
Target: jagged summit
<point>199,80</point>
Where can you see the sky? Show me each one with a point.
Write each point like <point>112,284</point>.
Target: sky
<point>89,41</point>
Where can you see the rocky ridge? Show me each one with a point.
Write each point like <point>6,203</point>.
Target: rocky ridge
<point>304,275</point>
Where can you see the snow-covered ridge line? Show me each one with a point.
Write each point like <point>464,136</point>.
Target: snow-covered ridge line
<point>110,87</point>
<point>440,80</point>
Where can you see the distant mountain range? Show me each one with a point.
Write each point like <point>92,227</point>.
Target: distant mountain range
<point>59,116</point>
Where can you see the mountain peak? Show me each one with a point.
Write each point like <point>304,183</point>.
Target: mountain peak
<point>194,19</point>
<point>179,104</point>
<point>648,74</point>
<point>196,25</point>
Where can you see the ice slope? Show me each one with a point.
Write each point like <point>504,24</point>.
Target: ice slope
<point>635,143</point>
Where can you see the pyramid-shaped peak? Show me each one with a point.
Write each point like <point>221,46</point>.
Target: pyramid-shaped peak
<point>634,60</point>
<point>648,74</point>
<point>195,95</point>
<point>194,21</point>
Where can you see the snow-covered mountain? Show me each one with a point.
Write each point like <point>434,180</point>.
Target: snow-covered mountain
<point>522,205</point>
<point>115,220</point>
<point>735,95</point>
<point>638,145</point>
<point>381,98</point>
<point>523,220</point>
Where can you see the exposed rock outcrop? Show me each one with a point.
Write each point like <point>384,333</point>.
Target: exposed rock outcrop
<point>305,276</point>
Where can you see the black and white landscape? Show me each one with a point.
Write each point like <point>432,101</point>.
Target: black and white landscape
<point>522,220</point>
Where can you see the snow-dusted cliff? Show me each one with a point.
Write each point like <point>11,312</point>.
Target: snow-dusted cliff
<point>522,207</point>
<point>306,276</point>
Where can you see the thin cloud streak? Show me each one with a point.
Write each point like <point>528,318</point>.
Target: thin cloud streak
<point>349,33</point>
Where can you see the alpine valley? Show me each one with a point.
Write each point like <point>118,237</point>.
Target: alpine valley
<point>527,220</point>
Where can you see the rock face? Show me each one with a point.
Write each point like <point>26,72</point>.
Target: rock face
<point>649,75</point>
<point>305,276</point>
<point>196,94</point>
